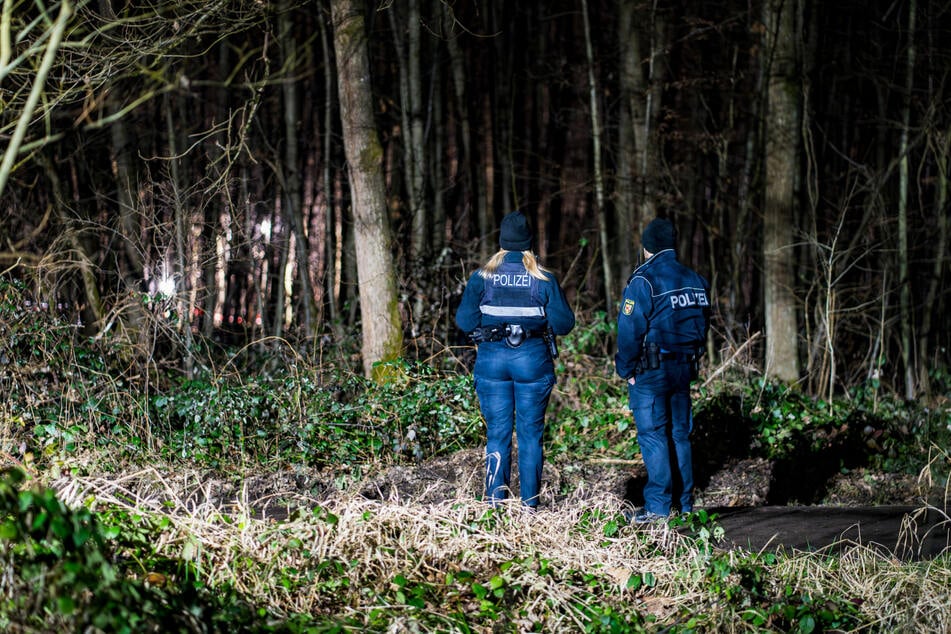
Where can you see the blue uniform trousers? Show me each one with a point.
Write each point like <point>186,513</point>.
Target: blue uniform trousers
<point>514,386</point>
<point>660,403</point>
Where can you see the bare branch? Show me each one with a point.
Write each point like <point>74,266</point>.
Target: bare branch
<point>52,47</point>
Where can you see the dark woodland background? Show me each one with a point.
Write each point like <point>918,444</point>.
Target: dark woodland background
<point>180,179</point>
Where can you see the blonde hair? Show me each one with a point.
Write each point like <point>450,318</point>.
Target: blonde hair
<point>529,261</point>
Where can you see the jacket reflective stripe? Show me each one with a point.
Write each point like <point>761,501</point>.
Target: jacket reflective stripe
<point>513,311</point>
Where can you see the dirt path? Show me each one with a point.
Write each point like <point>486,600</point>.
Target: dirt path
<point>904,532</point>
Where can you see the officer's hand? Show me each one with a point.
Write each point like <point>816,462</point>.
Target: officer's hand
<point>630,381</point>
<point>477,336</point>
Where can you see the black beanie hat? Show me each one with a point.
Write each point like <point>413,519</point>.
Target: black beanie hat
<point>515,235</point>
<point>659,235</point>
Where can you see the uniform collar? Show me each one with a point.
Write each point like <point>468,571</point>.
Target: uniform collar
<point>666,254</point>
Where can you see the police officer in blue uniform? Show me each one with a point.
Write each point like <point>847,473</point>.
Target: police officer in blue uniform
<point>662,326</point>
<point>512,308</point>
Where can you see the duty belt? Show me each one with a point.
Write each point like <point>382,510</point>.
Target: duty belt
<point>678,356</point>
<point>651,356</point>
<point>514,335</point>
<point>509,331</point>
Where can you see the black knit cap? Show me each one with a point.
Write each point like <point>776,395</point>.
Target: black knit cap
<point>659,235</point>
<point>515,234</point>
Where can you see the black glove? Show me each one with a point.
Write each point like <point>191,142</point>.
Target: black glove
<point>477,336</point>
<point>485,333</point>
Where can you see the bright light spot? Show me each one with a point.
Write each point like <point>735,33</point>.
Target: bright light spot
<point>265,228</point>
<point>167,286</point>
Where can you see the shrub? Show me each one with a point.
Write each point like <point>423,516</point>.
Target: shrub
<point>60,574</point>
<point>316,420</point>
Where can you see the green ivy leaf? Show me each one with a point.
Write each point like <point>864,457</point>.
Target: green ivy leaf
<point>479,590</point>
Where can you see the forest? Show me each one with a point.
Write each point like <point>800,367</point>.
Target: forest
<point>187,161</point>
<point>234,234</point>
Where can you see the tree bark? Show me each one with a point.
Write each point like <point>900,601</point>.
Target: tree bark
<point>782,166</point>
<point>379,309</point>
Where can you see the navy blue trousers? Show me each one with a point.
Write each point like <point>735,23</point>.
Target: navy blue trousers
<point>660,403</point>
<point>514,386</point>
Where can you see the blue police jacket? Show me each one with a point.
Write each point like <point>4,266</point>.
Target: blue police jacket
<point>665,303</point>
<point>512,296</point>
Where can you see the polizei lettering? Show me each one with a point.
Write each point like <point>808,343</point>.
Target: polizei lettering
<point>688,299</point>
<point>511,280</point>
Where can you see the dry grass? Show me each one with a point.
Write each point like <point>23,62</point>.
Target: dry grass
<point>551,563</point>
<point>380,539</point>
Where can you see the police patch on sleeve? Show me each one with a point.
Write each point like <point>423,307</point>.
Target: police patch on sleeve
<point>628,306</point>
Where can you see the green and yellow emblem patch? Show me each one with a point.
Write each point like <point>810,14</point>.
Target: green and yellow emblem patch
<point>628,306</point>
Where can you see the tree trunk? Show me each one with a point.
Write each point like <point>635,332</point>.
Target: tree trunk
<point>606,248</point>
<point>125,199</point>
<point>332,243</point>
<point>466,162</point>
<point>94,307</point>
<point>411,125</point>
<point>742,262</point>
<point>639,159</point>
<point>418,206</point>
<point>631,81</point>
<point>293,209</point>
<point>379,309</point>
<point>647,148</point>
<point>907,350</point>
<point>437,170</point>
<point>782,165</point>
<point>942,151</point>
<point>486,181</point>
<point>179,271</point>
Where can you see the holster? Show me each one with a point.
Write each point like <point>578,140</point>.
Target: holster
<point>649,359</point>
<point>549,337</point>
<point>651,356</point>
<point>514,335</point>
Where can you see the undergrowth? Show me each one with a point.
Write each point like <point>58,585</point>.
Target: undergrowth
<point>359,565</point>
<point>74,408</point>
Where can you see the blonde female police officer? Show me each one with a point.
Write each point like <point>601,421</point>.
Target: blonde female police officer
<point>662,326</point>
<point>512,308</point>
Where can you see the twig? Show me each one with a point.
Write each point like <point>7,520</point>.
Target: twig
<point>728,362</point>
<point>15,264</point>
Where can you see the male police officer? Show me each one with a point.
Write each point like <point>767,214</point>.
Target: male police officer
<point>662,326</point>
